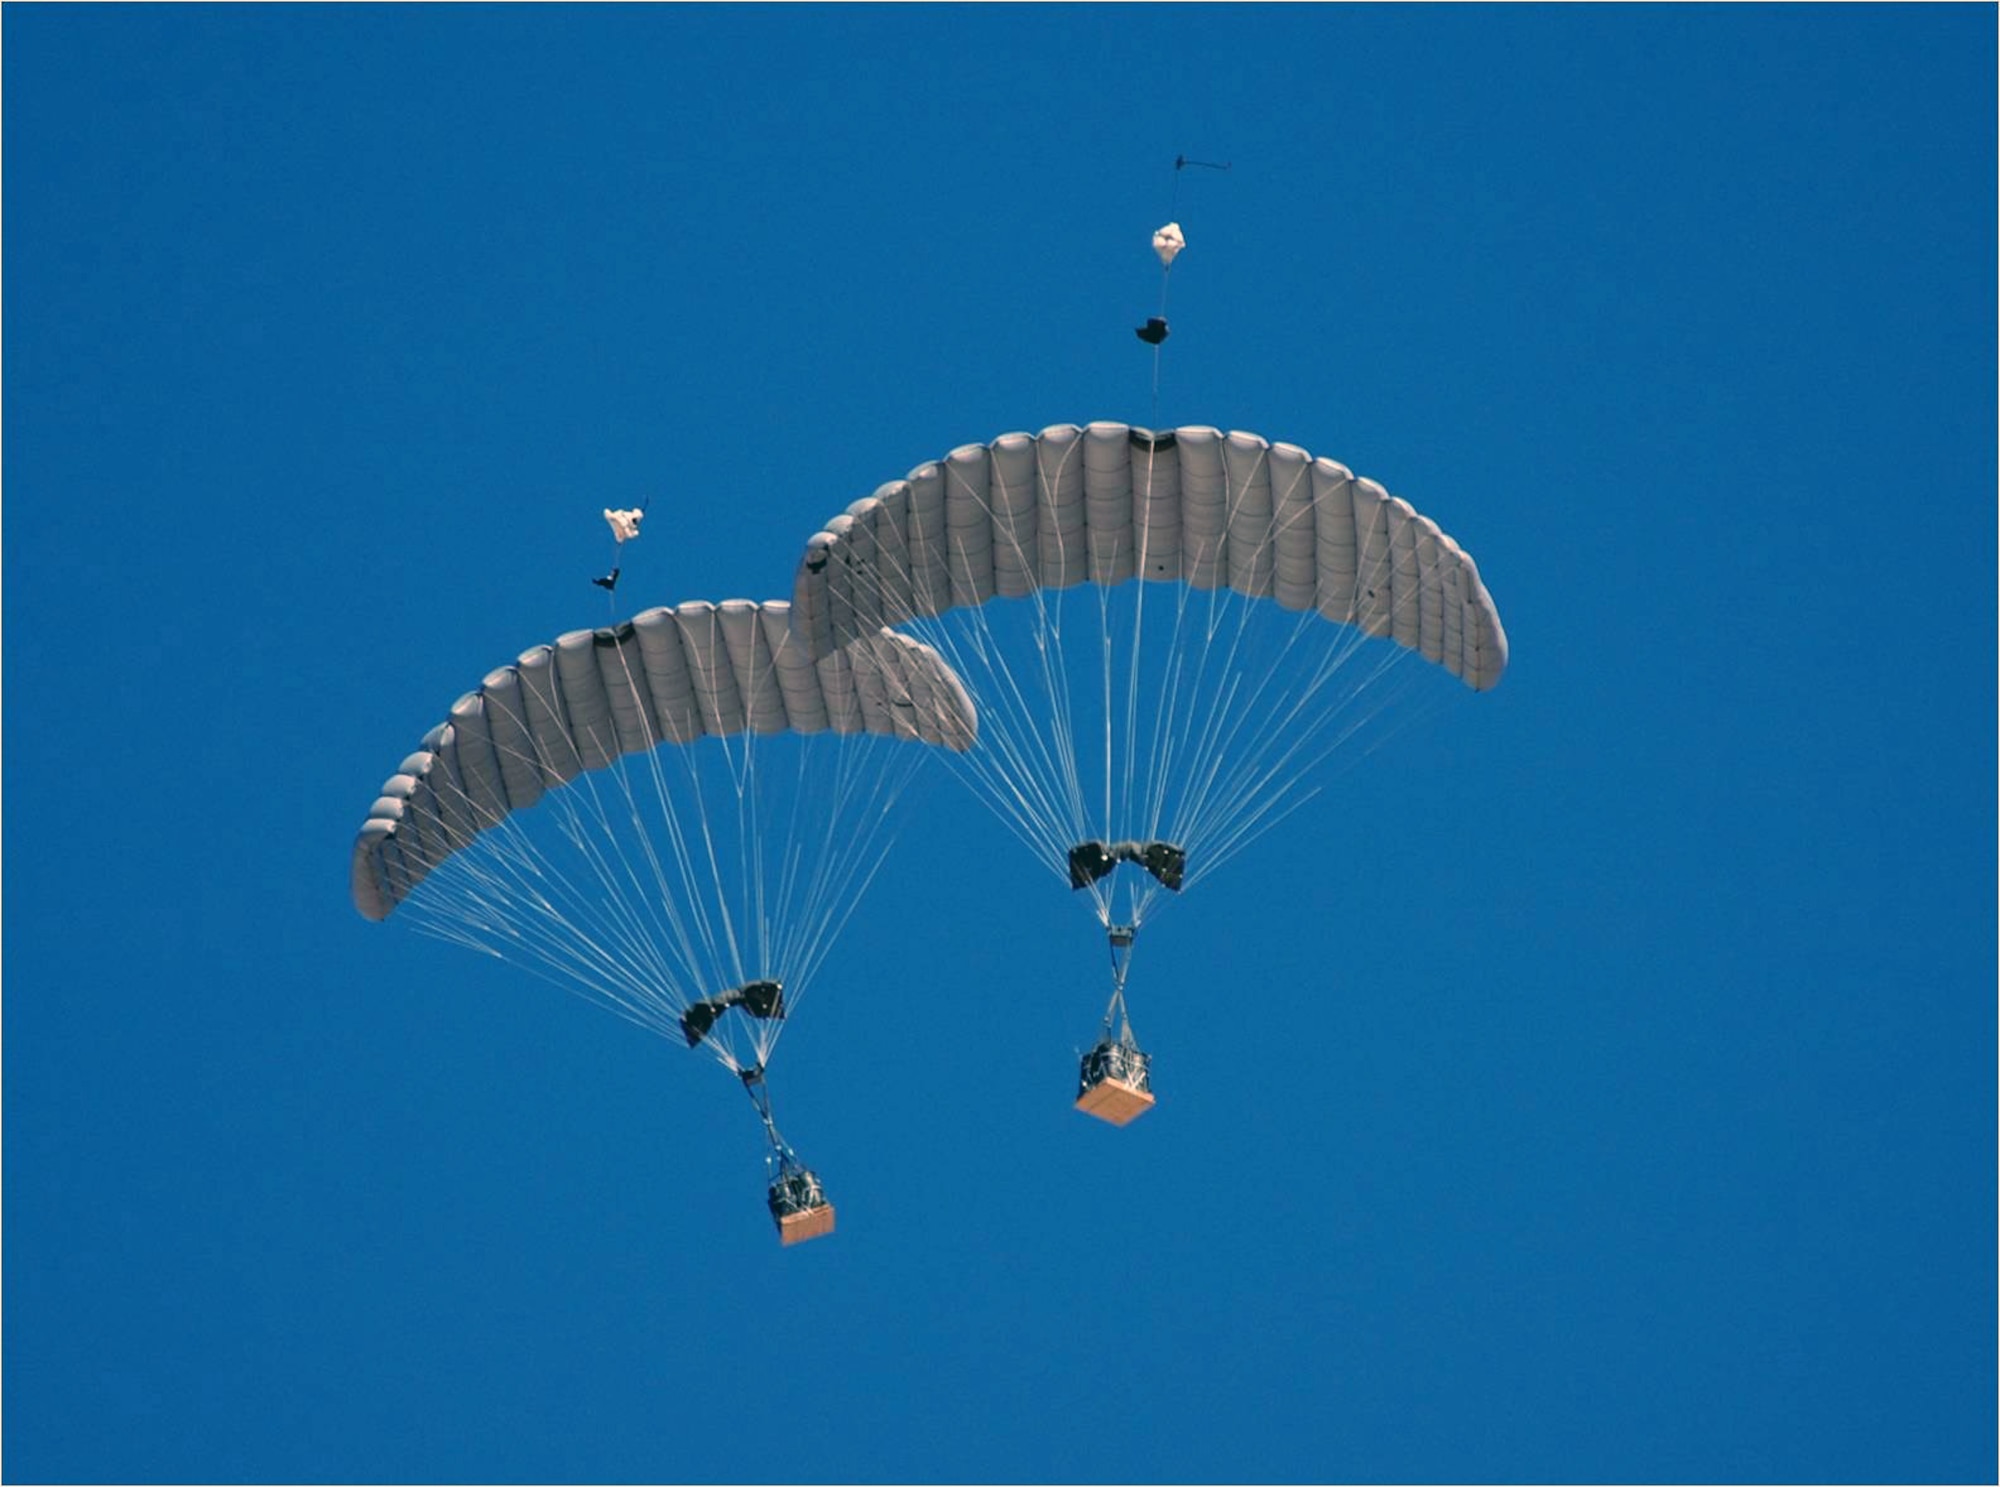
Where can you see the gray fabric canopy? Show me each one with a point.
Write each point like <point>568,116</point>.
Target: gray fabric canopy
<point>1110,502</point>
<point>666,676</point>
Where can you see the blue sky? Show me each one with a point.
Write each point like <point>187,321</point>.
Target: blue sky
<point>1603,1087</point>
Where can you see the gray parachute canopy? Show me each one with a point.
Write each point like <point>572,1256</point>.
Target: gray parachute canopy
<point>1111,502</point>
<point>665,676</point>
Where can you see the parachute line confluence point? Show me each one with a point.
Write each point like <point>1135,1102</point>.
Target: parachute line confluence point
<point>624,528</point>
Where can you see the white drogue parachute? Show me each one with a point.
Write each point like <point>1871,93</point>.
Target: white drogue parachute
<point>672,817</point>
<point>1166,634</point>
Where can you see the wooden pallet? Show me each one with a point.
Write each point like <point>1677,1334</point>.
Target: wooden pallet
<point>807,1223</point>
<point>1115,1101</point>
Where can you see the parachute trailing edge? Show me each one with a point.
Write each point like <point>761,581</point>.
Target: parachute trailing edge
<point>665,676</point>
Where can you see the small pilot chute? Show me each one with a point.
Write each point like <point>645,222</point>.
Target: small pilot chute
<point>624,527</point>
<point>1167,243</point>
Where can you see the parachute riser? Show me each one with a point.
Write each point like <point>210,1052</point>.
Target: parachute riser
<point>781,1157</point>
<point>761,1102</point>
<point>1122,937</point>
<point>795,1196</point>
<point>1114,1080</point>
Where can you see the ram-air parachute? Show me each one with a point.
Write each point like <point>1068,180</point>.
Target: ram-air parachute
<point>1166,634</point>
<point>672,817</point>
